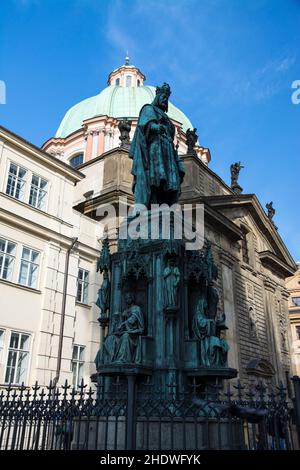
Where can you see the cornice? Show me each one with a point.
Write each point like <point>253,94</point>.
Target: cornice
<point>227,258</point>
<point>273,262</point>
<point>40,231</point>
<point>270,285</point>
<point>40,155</point>
<point>259,215</point>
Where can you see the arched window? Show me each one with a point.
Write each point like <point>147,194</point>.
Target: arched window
<point>117,82</point>
<point>138,83</point>
<point>76,160</point>
<point>128,80</point>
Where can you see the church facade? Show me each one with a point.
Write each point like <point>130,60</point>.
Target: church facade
<point>293,287</point>
<point>50,239</point>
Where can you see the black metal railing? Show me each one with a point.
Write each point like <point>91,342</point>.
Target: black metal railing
<point>142,416</point>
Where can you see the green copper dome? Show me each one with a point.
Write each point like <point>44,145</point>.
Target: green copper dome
<point>118,102</point>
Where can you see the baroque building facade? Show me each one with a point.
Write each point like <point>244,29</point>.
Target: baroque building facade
<point>52,211</point>
<point>293,287</point>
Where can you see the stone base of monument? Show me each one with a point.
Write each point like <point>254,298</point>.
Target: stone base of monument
<point>208,373</point>
<point>109,433</point>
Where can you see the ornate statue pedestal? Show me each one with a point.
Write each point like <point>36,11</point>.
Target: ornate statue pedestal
<point>172,328</point>
<point>208,373</point>
<point>124,370</point>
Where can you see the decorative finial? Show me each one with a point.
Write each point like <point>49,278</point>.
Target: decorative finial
<point>127,58</point>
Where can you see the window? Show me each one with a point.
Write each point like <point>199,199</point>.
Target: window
<point>245,249</point>
<point>138,83</point>
<point>296,301</point>
<point>38,192</point>
<point>76,160</point>
<point>298,332</point>
<point>77,364</point>
<point>29,267</point>
<point>128,80</point>
<point>117,82</point>
<point>16,181</point>
<point>16,186</point>
<point>82,286</point>
<point>1,344</point>
<point>17,360</point>
<point>7,258</point>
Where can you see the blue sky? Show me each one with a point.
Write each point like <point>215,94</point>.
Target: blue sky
<point>230,63</point>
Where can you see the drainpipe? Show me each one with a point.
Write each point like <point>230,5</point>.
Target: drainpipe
<point>63,312</point>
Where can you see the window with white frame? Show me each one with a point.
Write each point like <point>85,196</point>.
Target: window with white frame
<point>29,267</point>
<point>16,181</point>
<point>82,286</point>
<point>128,80</point>
<point>17,359</point>
<point>38,192</point>
<point>77,364</point>
<point>16,186</point>
<point>7,258</point>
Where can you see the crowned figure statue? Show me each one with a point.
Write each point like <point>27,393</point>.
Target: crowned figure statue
<point>157,170</point>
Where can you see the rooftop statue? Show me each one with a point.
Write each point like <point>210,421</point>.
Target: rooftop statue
<point>124,128</point>
<point>157,169</point>
<point>271,210</point>
<point>191,141</point>
<point>235,169</point>
<point>271,213</point>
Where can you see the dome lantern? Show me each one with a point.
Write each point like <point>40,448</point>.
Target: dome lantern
<point>126,76</point>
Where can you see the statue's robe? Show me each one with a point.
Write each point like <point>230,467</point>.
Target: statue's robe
<point>103,296</point>
<point>213,349</point>
<point>129,350</point>
<point>106,354</point>
<point>156,165</point>
<point>171,278</point>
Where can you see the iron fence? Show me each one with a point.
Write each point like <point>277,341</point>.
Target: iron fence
<point>147,418</point>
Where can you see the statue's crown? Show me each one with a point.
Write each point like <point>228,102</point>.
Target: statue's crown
<point>165,88</point>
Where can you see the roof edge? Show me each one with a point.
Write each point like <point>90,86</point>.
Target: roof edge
<point>19,141</point>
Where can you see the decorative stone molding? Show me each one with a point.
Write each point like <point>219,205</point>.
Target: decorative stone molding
<point>270,285</point>
<point>260,367</point>
<point>227,258</point>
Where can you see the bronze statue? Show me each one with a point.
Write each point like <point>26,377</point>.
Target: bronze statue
<point>107,352</point>
<point>122,344</point>
<point>171,277</point>
<point>103,294</point>
<point>213,348</point>
<point>157,170</point>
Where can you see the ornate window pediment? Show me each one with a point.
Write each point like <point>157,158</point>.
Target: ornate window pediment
<point>260,367</point>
